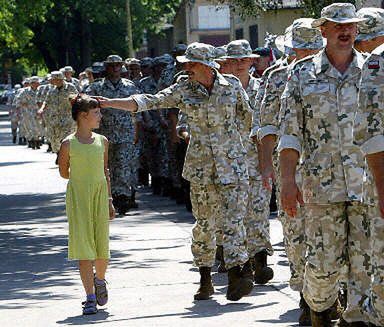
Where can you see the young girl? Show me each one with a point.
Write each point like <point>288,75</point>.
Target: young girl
<point>83,160</point>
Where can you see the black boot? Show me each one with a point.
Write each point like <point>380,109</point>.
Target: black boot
<point>24,141</point>
<point>238,285</point>
<point>247,270</point>
<point>29,144</point>
<point>37,144</point>
<point>14,135</point>
<point>220,257</point>
<point>20,141</point>
<point>305,314</point>
<point>321,319</point>
<point>49,148</point>
<point>33,145</point>
<point>206,289</point>
<point>125,204</point>
<point>263,273</point>
<point>57,158</point>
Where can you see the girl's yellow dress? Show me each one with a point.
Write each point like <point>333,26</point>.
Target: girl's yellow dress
<point>87,201</point>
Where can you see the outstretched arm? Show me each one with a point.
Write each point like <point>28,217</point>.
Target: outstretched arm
<point>127,104</point>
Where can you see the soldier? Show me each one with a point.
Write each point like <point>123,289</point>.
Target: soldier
<point>240,59</point>
<point>68,71</point>
<point>319,103</point>
<point>214,164</point>
<point>27,102</point>
<point>14,112</point>
<point>304,40</point>
<point>371,31</point>
<point>118,127</point>
<point>23,118</point>
<point>369,135</point>
<point>42,92</point>
<point>262,61</point>
<point>56,110</point>
<point>134,72</point>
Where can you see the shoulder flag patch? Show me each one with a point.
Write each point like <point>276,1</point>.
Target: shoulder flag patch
<point>373,64</point>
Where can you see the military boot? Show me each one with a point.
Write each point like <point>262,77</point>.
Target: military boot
<point>220,257</point>
<point>49,147</point>
<point>262,273</point>
<point>247,270</point>
<point>238,285</point>
<point>20,141</point>
<point>33,145</point>
<point>14,135</point>
<point>321,319</point>
<point>305,314</point>
<point>156,185</point>
<point>37,144</point>
<point>29,144</point>
<point>206,289</point>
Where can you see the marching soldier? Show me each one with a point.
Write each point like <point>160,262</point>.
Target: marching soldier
<point>319,104</point>
<point>68,71</point>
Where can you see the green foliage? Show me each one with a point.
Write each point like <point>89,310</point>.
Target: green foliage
<point>47,33</point>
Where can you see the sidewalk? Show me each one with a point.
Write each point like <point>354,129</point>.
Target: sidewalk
<point>151,277</point>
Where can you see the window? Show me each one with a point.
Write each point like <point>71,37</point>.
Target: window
<point>213,17</point>
<point>254,36</point>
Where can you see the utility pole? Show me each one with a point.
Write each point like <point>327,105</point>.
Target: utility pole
<point>131,53</point>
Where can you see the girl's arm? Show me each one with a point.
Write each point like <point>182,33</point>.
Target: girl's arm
<point>64,160</point>
<point>112,211</point>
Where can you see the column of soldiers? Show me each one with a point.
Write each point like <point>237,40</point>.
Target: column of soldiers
<point>310,126</point>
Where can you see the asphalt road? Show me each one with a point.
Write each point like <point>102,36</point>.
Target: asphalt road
<point>151,277</point>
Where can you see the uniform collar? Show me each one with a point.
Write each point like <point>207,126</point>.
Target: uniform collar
<point>322,64</point>
<point>221,79</point>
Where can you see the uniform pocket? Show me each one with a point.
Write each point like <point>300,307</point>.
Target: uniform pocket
<point>317,179</point>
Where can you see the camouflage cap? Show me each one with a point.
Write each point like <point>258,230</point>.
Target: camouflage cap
<point>57,74</point>
<point>17,86</point>
<point>179,49</point>
<point>34,79</point>
<point>239,49</point>
<point>112,59</point>
<point>199,52</point>
<point>124,70</point>
<point>48,77</point>
<point>341,13</point>
<point>165,59</point>
<point>132,61</point>
<point>373,26</point>
<point>280,39</point>
<point>303,36</point>
<point>146,62</point>
<point>97,67</point>
<point>220,52</point>
<point>26,81</point>
<point>68,69</point>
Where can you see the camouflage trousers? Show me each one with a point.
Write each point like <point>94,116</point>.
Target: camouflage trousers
<point>14,117</point>
<point>337,234</point>
<point>123,168</point>
<point>22,123</point>
<point>56,132</point>
<point>294,243</point>
<point>374,304</point>
<point>256,220</point>
<point>208,203</point>
<point>173,163</point>
<point>33,124</point>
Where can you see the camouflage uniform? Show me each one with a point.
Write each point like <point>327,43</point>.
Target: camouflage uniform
<point>332,166</point>
<point>300,35</point>
<point>369,135</point>
<point>41,94</point>
<point>154,145</point>
<point>14,112</point>
<point>57,114</point>
<point>118,127</point>
<point>26,101</point>
<point>22,120</point>
<point>214,163</point>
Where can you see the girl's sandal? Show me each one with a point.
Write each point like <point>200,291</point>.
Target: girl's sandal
<point>89,307</point>
<point>101,292</point>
